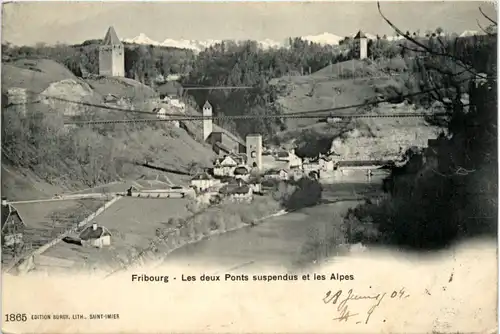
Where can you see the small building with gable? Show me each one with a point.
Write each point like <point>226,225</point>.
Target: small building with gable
<point>237,191</point>
<point>95,236</point>
<point>277,174</point>
<point>203,181</point>
<point>242,172</point>
<point>162,113</point>
<point>225,166</point>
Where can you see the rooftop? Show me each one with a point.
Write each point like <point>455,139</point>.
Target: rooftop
<point>241,170</point>
<point>359,35</point>
<point>207,105</point>
<point>111,38</point>
<point>89,233</point>
<point>202,176</point>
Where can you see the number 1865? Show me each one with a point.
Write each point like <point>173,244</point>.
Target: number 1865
<point>16,317</point>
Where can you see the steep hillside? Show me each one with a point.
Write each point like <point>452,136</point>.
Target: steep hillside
<point>384,138</point>
<point>35,75</point>
<point>43,158</point>
<point>354,83</point>
<point>122,87</point>
<point>346,83</point>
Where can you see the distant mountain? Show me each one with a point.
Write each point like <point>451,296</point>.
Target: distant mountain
<point>467,33</point>
<point>197,45</point>
<point>142,39</point>
<point>194,45</point>
<point>324,39</point>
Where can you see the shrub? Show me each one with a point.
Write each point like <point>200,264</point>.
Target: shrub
<point>307,193</point>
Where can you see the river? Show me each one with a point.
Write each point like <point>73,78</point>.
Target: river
<point>286,242</point>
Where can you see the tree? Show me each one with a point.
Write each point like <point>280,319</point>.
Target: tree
<point>467,160</point>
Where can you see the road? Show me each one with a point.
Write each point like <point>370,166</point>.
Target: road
<point>293,240</point>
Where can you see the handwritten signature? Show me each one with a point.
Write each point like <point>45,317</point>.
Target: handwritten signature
<point>343,306</point>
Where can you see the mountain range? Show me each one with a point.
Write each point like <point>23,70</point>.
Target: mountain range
<point>199,45</point>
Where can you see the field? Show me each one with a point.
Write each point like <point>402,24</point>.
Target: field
<point>47,220</point>
<point>132,223</point>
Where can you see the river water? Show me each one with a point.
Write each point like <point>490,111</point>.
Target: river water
<point>294,240</point>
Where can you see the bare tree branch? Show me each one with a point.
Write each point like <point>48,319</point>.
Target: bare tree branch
<point>487,17</point>
<point>425,48</point>
<point>484,30</point>
<point>438,69</point>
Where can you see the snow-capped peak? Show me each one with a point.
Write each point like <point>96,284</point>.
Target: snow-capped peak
<point>324,38</point>
<point>199,45</point>
<point>141,39</point>
<point>467,33</point>
<point>195,45</point>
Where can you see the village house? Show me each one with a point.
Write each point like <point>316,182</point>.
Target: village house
<point>111,99</point>
<point>225,166</point>
<point>170,89</point>
<point>255,186</point>
<point>296,172</point>
<point>242,172</point>
<point>277,174</point>
<point>325,163</point>
<point>162,113</point>
<point>176,103</point>
<point>310,166</point>
<point>13,225</point>
<point>241,194</point>
<point>95,236</point>
<point>289,157</point>
<point>237,191</point>
<point>203,181</point>
<point>118,101</point>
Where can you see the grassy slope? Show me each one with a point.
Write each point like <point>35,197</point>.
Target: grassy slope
<point>175,151</point>
<point>33,74</point>
<point>334,86</point>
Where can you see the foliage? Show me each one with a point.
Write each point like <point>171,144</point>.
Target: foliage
<point>434,201</point>
<point>298,194</point>
<point>78,156</point>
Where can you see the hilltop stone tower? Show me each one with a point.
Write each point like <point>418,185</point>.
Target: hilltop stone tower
<point>112,55</point>
<point>207,123</point>
<point>254,151</point>
<point>363,44</point>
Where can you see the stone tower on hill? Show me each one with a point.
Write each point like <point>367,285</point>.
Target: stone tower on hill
<point>111,55</point>
<point>363,44</point>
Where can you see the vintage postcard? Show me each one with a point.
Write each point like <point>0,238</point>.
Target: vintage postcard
<point>249,167</point>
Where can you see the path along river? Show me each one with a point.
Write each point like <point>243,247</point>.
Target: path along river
<point>289,241</point>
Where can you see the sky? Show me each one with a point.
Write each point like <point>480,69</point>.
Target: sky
<point>28,23</point>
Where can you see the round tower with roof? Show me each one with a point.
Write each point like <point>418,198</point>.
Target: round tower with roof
<point>111,55</point>
<point>363,44</point>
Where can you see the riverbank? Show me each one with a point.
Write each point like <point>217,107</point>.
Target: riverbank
<point>205,224</point>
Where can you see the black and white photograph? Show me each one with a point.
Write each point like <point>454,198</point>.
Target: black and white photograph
<point>326,167</point>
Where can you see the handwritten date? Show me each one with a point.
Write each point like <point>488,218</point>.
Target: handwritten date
<point>342,301</point>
